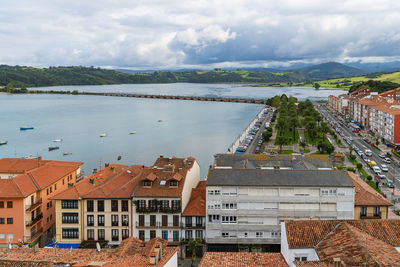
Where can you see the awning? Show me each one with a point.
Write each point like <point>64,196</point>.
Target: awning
<point>62,245</point>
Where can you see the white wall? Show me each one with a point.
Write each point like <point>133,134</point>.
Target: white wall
<point>191,181</point>
<point>173,261</point>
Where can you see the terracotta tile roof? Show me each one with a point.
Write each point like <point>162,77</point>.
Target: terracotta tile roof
<point>354,246</point>
<point>129,253</point>
<point>245,259</point>
<point>197,202</point>
<point>114,181</point>
<point>315,264</point>
<point>388,108</point>
<point>307,234</point>
<point>365,195</point>
<point>9,189</point>
<point>162,170</point>
<point>17,165</point>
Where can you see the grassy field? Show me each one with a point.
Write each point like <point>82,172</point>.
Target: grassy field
<point>345,83</point>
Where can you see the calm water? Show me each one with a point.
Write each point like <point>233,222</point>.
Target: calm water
<point>209,90</point>
<point>188,128</point>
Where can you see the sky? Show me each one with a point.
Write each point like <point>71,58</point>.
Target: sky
<point>164,34</point>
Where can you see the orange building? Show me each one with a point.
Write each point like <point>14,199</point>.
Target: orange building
<point>26,185</point>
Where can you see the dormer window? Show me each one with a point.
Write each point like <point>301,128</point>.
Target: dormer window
<point>173,183</point>
<point>146,183</point>
<point>163,182</point>
<point>169,168</point>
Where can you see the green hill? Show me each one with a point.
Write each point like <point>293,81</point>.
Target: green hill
<point>330,70</point>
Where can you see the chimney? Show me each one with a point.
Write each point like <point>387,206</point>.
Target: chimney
<point>112,168</point>
<point>94,170</point>
<point>161,156</point>
<point>91,180</point>
<point>106,165</point>
<point>153,258</point>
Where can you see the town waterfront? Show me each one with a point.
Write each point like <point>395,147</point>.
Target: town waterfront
<point>187,128</point>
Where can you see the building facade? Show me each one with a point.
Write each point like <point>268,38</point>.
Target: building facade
<point>246,206</point>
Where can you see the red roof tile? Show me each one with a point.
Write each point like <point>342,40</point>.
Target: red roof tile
<point>239,259</point>
<point>9,189</point>
<point>197,202</point>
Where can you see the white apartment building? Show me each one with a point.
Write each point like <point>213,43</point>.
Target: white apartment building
<point>162,193</point>
<point>246,206</point>
<point>385,123</point>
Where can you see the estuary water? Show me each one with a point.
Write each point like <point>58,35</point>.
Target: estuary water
<point>168,127</point>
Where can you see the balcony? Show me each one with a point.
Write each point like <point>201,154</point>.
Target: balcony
<point>159,209</point>
<point>31,238</point>
<point>34,221</point>
<point>375,216</point>
<point>34,205</point>
<point>157,225</point>
<point>80,176</point>
<point>194,225</point>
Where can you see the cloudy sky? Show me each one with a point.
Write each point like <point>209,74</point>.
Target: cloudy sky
<point>162,34</point>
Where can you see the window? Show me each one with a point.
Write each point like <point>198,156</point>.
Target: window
<point>63,181</point>
<point>141,220</point>
<point>217,206</point>
<point>125,233</point>
<point>363,211</point>
<point>101,234</point>
<point>164,220</point>
<point>175,220</point>
<point>176,235</point>
<point>51,189</point>
<point>114,235</point>
<point>300,258</point>
<point>114,205</point>
<point>328,192</point>
<point>164,204</point>
<point>199,221</point>
<point>152,220</point>
<point>68,217</point>
<point>152,204</point>
<point>377,211</point>
<point>188,234</point>
<point>213,192</point>
<point>100,220</point>
<point>225,234</point>
<point>2,236</point>
<point>69,204</point>
<point>229,219</point>
<point>90,220</point>
<point>100,205</point>
<point>141,235</point>
<point>152,234</point>
<point>55,186</point>
<point>47,191</point>
<point>49,204</point>
<point>259,234</point>
<point>90,205</point>
<point>164,234</point>
<point>114,220</point>
<point>188,221</point>
<point>173,183</point>
<point>1,220</point>
<point>90,234</point>
<point>275,234</point>
<point>124,205</point>
<point>199,233</point>
<point>175,204</point>
<point>212,218</point>
<point>1,204</point>
<point>10,220</point>
<point>142,204</point>
<point>125,220</point>
<point>9,204</point>
<point>229,206</point>
<point>70,233</point>
<point>147,183</point>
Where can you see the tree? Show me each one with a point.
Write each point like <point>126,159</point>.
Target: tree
<point>359,166</point>
<point>293,124</point>
<point>281,140</point>
<point>193,245</point>
<point>317,86</point>
<point>351,150</point>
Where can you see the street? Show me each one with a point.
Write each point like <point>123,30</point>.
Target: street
<point>393,169</point>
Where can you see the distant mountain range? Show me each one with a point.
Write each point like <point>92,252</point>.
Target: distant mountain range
<point>21,76</point>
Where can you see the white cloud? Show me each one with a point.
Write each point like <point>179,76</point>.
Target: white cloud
<point>165,33</point>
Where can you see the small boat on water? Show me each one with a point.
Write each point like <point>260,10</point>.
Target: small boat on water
<point>3,143</point>
<point>57,140</point>
<point>53,148</point>
<point>159,120</point>
<point>67,153</point>
<point>103,135</point>
<point>24,128</point>
<point>133,132</point>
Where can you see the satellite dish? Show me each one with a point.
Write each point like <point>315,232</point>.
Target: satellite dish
<point>98,247</point>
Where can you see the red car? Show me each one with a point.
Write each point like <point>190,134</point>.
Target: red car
<point>356,131</point>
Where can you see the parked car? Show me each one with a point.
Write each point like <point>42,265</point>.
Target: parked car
<point>368,152</point>
<point>355,131</point>
<point>390,184</point>
<point>381,175</point>
<point>376,169</point>
<point>382,155</point>
<point>387,160</point>
<point>384,168</point>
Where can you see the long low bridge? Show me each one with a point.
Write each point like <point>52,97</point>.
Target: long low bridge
<point>194,98</point>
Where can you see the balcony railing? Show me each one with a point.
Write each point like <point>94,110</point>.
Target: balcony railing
<point>33,205</point>
<point>194,225</point>
<point>375,216</point>
<point>28,239</point>
<point>34,221</point>
<point>157,225</point>
<point>159,209</point>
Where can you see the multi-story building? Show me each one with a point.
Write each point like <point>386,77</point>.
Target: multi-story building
<point>162,193</point>
<point>246,206</point>
<point>368,204</point>
<point>27,213</point>
<point>98,208</point>
<point>333,103</point>
<point>385,123</point>
<point>194,219</point>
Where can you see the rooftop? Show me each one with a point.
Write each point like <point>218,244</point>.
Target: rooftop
<point>253,161</point>
<point>197,202</point>
<point>129,253</point>
<point>20,165</point>
<point>242,259</point>
<point>256,177</point>
<point>365,195</point>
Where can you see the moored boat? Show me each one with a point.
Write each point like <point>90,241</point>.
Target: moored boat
<point>133,132</point>
<point>67,153</point>
<point>103,135</point>
<point>24,128</point>
<point>57,140</point>
<point>53,148</point>
<point>3,143</point>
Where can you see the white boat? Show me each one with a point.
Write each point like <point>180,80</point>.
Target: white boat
<point>103,135</point>
<point>3,143</point>
<point>132,132</point>
<point>57,140</point>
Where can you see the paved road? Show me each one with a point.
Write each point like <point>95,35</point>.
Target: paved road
<point>394,170</point>
<point>253,145</point>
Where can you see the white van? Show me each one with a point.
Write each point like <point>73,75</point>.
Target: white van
<point>368,152</point>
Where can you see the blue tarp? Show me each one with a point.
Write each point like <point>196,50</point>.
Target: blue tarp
<point>62,245</point>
